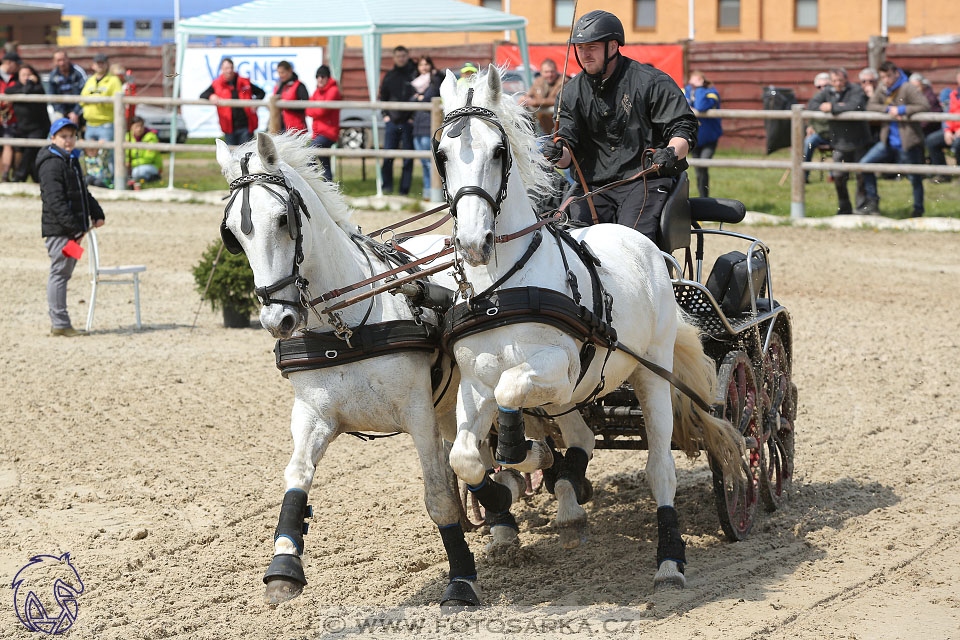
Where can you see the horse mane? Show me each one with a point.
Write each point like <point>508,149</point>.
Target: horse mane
<point>520,127</point>
<point>293,149</point>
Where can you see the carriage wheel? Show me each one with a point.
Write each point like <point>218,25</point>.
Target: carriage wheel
<point>779,398</point>
<point>739,399</point>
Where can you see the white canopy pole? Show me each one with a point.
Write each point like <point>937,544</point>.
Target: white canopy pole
<point>371,63</point>
<point>181,52</point>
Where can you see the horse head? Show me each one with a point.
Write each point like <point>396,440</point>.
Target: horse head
<point>275,195</point>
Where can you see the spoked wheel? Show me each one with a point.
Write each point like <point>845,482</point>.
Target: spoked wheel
<point>739,398</point>
<point>473,511</point>
<point>780,400</point>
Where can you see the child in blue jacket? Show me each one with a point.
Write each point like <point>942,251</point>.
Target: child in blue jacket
<point>702,95</point>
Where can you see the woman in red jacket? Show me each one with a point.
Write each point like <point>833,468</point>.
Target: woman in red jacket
<point>326,122</point>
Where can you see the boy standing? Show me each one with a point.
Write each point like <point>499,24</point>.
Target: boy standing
<point>68,212</point>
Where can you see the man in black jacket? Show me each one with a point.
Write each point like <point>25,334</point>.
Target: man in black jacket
<point>849,138</point>
<point>32,122</point>
<point>68,212</point>
<point>398,125</point>
<point>609,114</point>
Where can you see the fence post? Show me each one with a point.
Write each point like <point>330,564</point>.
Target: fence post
<point>797,195</point>
<point>119,133</point>
<point>276,119</point>
<point>436,119</point>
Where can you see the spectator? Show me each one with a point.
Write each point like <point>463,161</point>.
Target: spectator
<point>923,84</point>
<point>99,115</point>
<point>237,123</point>
<point>850,139</point>
<point>701,95</point>
<point>66,79</point>
<point>9,66</point>
<point>467,70</point>
<point>145,164</point>
<point>127,87</point>
<point>32,121</point>
<point>426,86</point>
<point>326,122</point>
<point>818,131</point>
<point>290,88</point>
<point>868,81</point>
<point>946,136</point>
<point>398,133</point>
<point>68,212</point>
<point>900,140</point>
<point>543,94</point>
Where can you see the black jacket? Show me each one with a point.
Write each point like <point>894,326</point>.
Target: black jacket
<point>395,87</point>
<point>845,135</point>
<point>67,205</point>
<point>421,119</point>
<point>609,124</point>
<point>31,116</point>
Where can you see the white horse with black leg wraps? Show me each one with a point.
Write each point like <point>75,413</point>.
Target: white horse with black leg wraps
<point>487,155</point>
<point>296,232</point>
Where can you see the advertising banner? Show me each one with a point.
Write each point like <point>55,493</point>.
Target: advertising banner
<point>666,57</point>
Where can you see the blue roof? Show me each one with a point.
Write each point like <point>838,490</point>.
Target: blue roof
<point>155,9</point>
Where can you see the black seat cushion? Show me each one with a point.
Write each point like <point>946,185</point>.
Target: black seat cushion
<point>675,218</point>
<point>717,210</point>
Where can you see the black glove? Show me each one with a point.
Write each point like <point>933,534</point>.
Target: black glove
<point>552,151</point>
<point>666,158</point>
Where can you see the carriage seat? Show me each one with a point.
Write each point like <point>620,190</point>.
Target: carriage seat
<point>675,217</point>
<point>717,210</point>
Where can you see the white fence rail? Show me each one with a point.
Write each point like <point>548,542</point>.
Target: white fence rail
<point>797,115</point>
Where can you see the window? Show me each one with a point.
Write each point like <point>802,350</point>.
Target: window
<point>729,14</point>
<point>562,13</point>
<point>167,30</point>
<point>897,14</point>
<point>646,11</point>
<point>497,5</point>
<point>64,30</point>
<point>90,29</point>
<point>806,17</point>
<point>115,29</point>
<point>143,29</point>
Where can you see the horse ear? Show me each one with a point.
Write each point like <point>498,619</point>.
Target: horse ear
<point>267,152</point>
<point>494,85</point>
<point>224,156</point>
<point>448,89</point>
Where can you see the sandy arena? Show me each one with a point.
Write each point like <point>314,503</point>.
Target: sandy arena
<point>156,459</point>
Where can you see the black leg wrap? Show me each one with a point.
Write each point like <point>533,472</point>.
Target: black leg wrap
<point>504,519</point>
<point>575,470</point>
<point>511,439</point>
<point>670,544</point>
<point>494,496</point>
<point>293,511</point>
<point>458,553</point>
<point>550,475</point>
<point>285,565</point>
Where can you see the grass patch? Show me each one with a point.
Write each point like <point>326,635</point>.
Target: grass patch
<point>759,189</point>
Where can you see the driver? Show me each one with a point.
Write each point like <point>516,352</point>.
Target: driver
<point>609,114</point>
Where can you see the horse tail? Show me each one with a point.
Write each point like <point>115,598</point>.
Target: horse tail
<point>693,428</point>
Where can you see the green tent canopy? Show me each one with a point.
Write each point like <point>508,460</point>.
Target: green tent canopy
<point>337,19</point>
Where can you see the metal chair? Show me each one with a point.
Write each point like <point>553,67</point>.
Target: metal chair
<point>108,275</point>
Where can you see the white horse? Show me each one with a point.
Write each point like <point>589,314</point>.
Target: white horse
<point>287,244</point>
<point>507,369</point>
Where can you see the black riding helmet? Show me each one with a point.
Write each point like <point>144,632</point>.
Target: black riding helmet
<point>597,26</point>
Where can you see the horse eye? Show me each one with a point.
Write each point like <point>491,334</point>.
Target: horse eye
<point>499,151</point>
<point>283,221</point>
<point>441,157</point>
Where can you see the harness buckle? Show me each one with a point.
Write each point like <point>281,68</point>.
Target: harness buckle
<point>340,328</point>
<point>492,311</point>
<point>331,353</point>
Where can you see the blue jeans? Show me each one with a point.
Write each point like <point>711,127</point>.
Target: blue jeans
<point>323,142</point>
<point>422,143</point>
<point>398,136</point>
<point>237,137</point>
<point>102,132</point>
<point>936,145</point>
<point>882,152</point>
<point>145,172</point>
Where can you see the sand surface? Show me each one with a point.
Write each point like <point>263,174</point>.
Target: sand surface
<point>155,458</point>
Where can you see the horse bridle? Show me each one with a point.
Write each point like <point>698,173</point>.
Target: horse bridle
<point>460,119</point>
<point>294,204</point>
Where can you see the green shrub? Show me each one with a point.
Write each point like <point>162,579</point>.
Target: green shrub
<point>232,285</point>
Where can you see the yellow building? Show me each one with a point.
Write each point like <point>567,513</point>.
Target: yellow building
<point>659,21</point>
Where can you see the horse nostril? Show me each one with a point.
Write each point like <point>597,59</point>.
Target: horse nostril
<point>287,324</point>
<point>456,242</point>
<point>488,239</point>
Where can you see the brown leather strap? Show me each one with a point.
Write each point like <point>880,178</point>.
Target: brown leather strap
<point>393,284</point>
<point>583,180</point>
<point>397,225</point>
<point>556,217</point>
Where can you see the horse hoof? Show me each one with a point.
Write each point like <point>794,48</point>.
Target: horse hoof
<point>460,595</point>
<point>573,534</point>
<point>668,577</point>
<point>503,536</point>
<point>280,590</point>
<point>571,517</point>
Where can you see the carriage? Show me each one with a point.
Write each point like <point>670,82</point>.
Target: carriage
<point>749,336</point>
